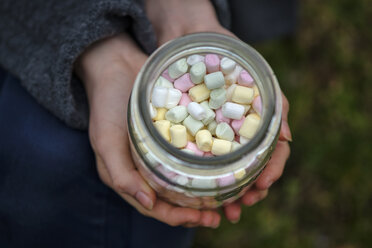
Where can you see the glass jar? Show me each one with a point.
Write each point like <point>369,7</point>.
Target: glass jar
<point>193,181</point>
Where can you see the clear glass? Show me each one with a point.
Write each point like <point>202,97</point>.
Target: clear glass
<point>194,181</point>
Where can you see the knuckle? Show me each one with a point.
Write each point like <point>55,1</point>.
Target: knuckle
<point>120,185</point>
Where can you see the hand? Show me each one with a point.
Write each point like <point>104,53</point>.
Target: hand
<point>108,70</point>
<point>179,18</point>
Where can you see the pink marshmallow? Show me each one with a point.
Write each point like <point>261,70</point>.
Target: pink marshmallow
<point>220,118</point>
<point>184,83</point>
<point>165,75</point>
<point>245,79</point>
<point>225,181</point>
<point>185,100</point>
<point>257,105</point>
<point>212,62</point>
<point>193,147</point>
<point>236,124</point>
<point>208,154</point>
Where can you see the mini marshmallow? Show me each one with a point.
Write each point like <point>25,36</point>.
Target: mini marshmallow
<point>193,59</point>
<point>160,114</point>
<point>212,127</point>
<point>212,62</point>
<point>220,117</point>
<point>214,80</point>
<point>159,96</point>
<point>163,127</point>
<point>190,137</point>
<point>239,174</point>
<point>235,146</point>
<point>199,93</point>
<point>204,140</point>
<point>232,110</point>
<point>250,126</point>
<point>226,180</point>
<point>181,180</point>
<point>209,113</point>
<point>176,114</point>
<point>247,107</point>
<point>178,136</point>
<point>183,83</point>
<point>217,98</point>
<point>188,151</point>
<point>257,105</point>
<point>174,97</point>
<point>178,68</point>
<point>197,72</point>
<point>204,184</point>
<point>193,147</point>
<point>220,147</point>
<point>196,111</point>
<point>256,91</point>
<point>224,131</point>
<point>153,111</point>
<point>163,82</point>
<point>185,100</point>
<point>192,125</point>
<point>233,76</point>
<point>245,79</point>
<point>236,124</point>
<point>243,95</point>
<point>227,65</point>
<point>243,140</point>
<point>165,75</point>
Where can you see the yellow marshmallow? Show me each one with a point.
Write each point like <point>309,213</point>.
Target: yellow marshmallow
<point>160,114</point>
<point>221,147</point>
<point>190,137</point>
<point>239,174</point>
<point>256,91</point>
<point>163,127</point>
<point>204,140</point>
<point>178,136</point>
<point>243,95</point>
<point>199,93</point>
<point>250,126</point>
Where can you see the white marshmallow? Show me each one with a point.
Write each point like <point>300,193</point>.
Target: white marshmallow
<point>225,132</point>
<point>173,98</point>
<point>178,68</point>
<point>196,111</point>
<point>193,59</point>
<point>176,114</point>
<point>159,96</point>
<point>235,146</point>
<point>233,110</point>
<point>153,111</point>
<point>227,65</point>
<point>230,92</point>
<point>233,76</point>
<point>243,140</point>
<point>163,82</point>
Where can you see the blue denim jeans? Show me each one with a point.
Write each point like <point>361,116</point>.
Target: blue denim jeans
<point>50,192</point>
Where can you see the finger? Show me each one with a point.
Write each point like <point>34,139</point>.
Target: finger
<point>210,218</point>
<point>275,166</point>
<point>285,132</point>
<point>233,211</point>
<point>253,196</point>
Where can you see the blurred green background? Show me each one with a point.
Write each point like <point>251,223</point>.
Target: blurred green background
<point>324,198</point>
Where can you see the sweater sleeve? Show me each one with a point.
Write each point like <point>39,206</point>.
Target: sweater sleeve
<point>40,40</point>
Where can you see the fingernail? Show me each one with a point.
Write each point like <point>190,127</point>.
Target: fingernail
<point>144,200</point>
<point>235,221</point>
<point>286,131</point>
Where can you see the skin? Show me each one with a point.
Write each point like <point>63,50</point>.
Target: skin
<point>108,69</point>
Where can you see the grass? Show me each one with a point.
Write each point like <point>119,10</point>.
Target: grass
<point>324,198</point>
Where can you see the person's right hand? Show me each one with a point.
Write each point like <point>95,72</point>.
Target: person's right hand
<point>108,69</point>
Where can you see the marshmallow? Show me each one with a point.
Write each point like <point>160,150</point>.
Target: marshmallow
<point>232,110</point>
<point>185,100</point>
<point>230,92</point>
<point>239,174</point>
<point>163,82</point>
<point>233,76</point>
<point>212,62</point>
<point>245,79</point>
<point>193,147</point>
<point>220,117</point>
<point>192,125</point>
<point>209,113</point>
<point>188,151</point>
<point>204,184</point>
<point>176,114</point>
<point>160,114</point>
<point>193,59</point>
<point>247,107</point>
<point>250,126</point>
<point>217,98</point>
<point>152,110</point>
<point>197,72</point>
<point>220,147</point>
<point>165,75</point>
<point>178,68</point>
<point>196,111</point>
<point>214,80</point>
<point>183,83</point>
<point>227,65</point>
<point>204,140</point>
<point>190,137</point>
<point>243,140</point>
<point>174,97</point>
<point>236,124</point>
<point>257,105</point>
<point>243,95</point>
<point>163,127</point>
<point>224,131</point>
<point>199,93</point>
<point>256,91</point>
<point>181,180</point>
<point>235,146</point>
<point>226,180</point>
<point>159,96</point>
<point>178,136</point>
<point>212,127</point>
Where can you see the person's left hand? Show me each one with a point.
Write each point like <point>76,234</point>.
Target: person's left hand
<point>175,18</point>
